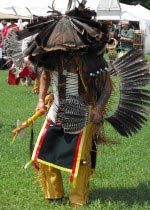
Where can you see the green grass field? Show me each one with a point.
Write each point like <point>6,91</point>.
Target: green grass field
<point>121,181</point>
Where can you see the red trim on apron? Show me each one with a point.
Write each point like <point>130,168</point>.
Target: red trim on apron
<point>40,144</point>
<point>76,157</point>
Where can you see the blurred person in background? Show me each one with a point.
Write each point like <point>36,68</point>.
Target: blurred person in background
<point>4,29</point>
<point>1,26</point>
<point>126,38</point>
<point>3,36</point>
<point>12,25</point>
<point>1,51</point>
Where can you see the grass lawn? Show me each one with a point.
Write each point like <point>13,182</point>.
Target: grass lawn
<point>121,181</point>
<point>147,56</point>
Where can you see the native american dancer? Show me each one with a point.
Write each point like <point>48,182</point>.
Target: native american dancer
<point>69,47</point>
<point>21,69</point>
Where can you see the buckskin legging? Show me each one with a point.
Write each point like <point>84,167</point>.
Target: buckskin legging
<point>52,179</point>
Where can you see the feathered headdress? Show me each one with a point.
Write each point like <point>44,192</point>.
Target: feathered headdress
<point>74,30</point>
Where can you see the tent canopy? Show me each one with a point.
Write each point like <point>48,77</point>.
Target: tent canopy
<point>11,16</point>
<point>109,8</point>
<point>28,8</point>
<point>106,9</point>
<point>11,13</point>
<point>128,12</point>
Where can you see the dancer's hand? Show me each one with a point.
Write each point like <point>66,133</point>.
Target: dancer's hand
<point>96,116</point>
<point>41,106</point>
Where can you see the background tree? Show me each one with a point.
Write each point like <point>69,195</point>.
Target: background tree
<point>145,3</point>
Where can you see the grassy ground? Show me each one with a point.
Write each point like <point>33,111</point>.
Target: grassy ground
<point>147,56</point>
<point>122,179</point>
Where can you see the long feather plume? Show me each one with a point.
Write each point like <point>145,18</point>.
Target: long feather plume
<point>134,99</point>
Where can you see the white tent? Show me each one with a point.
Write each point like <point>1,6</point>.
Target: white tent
<point>38,7</point>
<point>109,8</point>
<point>113,10</point>
<point>28,7</point>
<point>138,11</point>
<point>106,9</point>
<point>11,13</point>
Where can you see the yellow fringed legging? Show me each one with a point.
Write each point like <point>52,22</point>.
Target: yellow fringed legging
<point>36,86</point>
<point>52,179</point>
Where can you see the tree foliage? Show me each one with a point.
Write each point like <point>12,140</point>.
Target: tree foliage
<point>145,3</point>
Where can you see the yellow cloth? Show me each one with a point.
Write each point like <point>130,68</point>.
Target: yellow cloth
<point>52,182</point>
<point>36,86</point>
